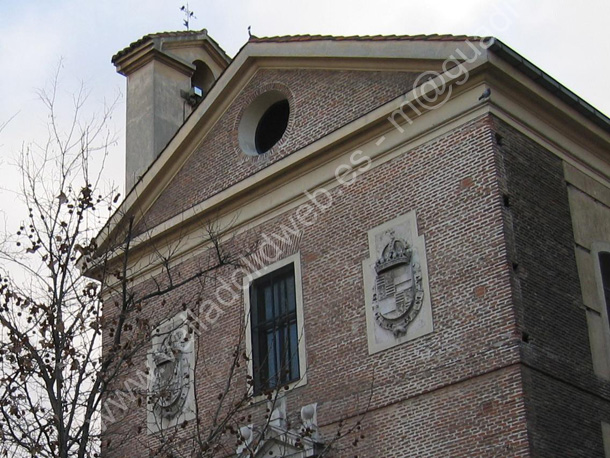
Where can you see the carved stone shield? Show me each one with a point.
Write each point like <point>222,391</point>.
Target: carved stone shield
<point>396,284</point>
<point>398,292</point>
<point>170,377</point>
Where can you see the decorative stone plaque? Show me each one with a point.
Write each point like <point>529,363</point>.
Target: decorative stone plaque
<point>171,370</point>
<point>396,291</point>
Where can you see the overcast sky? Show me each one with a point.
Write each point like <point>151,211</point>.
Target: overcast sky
<point>566,38</point>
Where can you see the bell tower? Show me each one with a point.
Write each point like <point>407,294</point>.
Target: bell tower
<point>167,74</point>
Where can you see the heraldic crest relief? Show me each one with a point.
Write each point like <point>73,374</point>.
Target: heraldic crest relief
<point>398,295</point>
<point>171,368</point>
<point>396,284</point>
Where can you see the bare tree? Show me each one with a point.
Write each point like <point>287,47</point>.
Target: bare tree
<point>74,380</point>
<point>50,313</point>
<point>55,366</point>
<point>5,123</point>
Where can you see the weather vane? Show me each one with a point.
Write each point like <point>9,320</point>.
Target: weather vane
<point>188,14</point>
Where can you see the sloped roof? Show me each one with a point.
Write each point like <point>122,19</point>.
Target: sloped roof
<point>508,54</point>
<point>176,34</point>
<point>504,51</point>
<point>433,37</point>
<point>549,83</point>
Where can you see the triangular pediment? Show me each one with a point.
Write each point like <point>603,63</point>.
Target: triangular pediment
<point>320,102</point>
<point>331,83</point>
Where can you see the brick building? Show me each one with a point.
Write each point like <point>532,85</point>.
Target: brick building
<point>423,231</point>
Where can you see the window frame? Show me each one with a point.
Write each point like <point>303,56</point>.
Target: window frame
<point>606,438</point>
<point>597,248</point>
<point>250,281</point>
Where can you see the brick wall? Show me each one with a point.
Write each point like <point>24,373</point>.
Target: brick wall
<point>321,102</point>
<point>454,392</point>
<point>565,401</point>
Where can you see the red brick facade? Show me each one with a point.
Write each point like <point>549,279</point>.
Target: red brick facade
<point>457,391</point>
<point>507,370</point>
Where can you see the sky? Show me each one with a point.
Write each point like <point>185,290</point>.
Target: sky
<point>565,38</point>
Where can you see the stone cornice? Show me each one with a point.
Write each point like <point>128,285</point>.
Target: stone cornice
<point>133,61</point>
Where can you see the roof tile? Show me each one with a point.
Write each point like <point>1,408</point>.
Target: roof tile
<point>296,38</point>
<point>150,36</point>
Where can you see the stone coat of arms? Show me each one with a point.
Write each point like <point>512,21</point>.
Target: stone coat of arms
<point>171,383</point>
<point>171,369</point>
<point>398,294</point>
<point>396,288</point>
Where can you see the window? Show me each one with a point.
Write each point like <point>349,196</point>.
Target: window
<point>606,439</point>
<point>202,78</point>
<point>271,126</point>
<point>263,123</point>
<point>604,266</point>
<point>275,330</point>
<point>594,271</point>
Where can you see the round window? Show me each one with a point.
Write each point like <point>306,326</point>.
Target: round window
<point>263,123</point>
